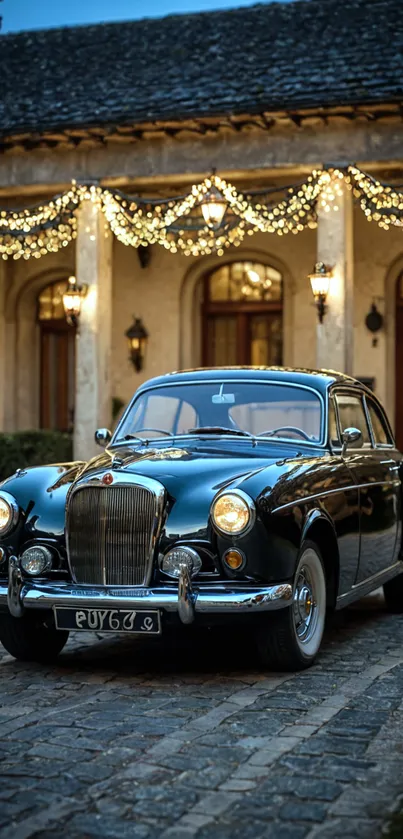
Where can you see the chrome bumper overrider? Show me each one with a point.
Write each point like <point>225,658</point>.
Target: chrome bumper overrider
<point>219,598</point>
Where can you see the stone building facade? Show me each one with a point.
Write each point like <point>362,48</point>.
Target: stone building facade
<point>151,107</point>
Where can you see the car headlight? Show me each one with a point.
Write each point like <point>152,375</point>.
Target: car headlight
<point>8,513</point>
<point>233,512</point>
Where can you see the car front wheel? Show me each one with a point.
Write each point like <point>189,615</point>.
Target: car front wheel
<point>291,638</point>
<point>30,638</point>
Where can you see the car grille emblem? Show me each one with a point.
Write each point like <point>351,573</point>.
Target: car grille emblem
<point>107,479</point>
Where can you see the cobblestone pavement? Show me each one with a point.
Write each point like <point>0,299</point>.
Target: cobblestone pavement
<point>188,737</point>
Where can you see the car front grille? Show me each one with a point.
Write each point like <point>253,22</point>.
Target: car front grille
<point>110,531</point>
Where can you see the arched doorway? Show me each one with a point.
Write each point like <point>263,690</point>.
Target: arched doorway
<point>57,360</point>
<point>242,315</point>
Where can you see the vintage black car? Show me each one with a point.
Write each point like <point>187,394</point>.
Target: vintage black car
<point>264,495</point>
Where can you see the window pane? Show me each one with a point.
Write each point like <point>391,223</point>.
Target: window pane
<point>249,281</point>
<point>166,413</point>
<point>160,413</point>
<point>219,284</point>
<point>50,302</point>
<point>187,419</point>
<point>379,427</point>
<point>286,411</point>
<point>333,430</point>
<point>266,340</point>
<point>351,414</point>
<point>221,341</point>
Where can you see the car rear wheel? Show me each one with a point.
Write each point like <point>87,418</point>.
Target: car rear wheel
<point>291,638</point>
<point>30,638</point>
<point>393,593</point>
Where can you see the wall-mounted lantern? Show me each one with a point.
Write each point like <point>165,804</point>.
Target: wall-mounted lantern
<point>72,299</point>
<point>320,283</point>
<point>137,337</point>
<point>374,322</point>
<point>213,207</point>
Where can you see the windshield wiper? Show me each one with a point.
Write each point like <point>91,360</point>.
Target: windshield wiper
<point>218,429</point>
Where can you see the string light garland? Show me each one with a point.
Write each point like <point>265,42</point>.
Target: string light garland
<point>379,202</point>
<point>185,224</point>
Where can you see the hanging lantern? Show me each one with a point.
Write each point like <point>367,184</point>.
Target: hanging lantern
<point>72,299</point>
<point>213,207</point>
<point>374,322</point>
<point>320,283</point>
<point>137,337</point>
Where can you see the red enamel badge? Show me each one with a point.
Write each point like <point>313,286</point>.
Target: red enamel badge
<point>107,479</point>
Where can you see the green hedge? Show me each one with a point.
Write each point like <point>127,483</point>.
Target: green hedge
<point>33,448</point>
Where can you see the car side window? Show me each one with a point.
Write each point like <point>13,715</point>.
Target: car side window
<point>352,415</point>
<point>380,429</point>
<point>334,437</point>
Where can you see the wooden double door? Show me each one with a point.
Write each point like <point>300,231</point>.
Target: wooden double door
<point>57,388</point>
<point>250,333</point>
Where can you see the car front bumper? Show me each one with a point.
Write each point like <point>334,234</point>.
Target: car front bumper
<point>186,601</point>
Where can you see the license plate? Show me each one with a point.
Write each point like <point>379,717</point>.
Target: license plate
<point>108,620</point>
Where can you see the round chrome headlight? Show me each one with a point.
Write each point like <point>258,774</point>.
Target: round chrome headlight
<point>172,563</point>
<point>233,512</point>
<point>8,513</point>
<point>36,560</point>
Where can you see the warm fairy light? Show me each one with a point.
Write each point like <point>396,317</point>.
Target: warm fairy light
<point>332,189</point>
<point>172,223</point>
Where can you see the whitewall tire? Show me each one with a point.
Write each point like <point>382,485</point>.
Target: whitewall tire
<point>291,639</point>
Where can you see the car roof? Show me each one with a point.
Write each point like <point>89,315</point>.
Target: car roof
<point>319,380</point>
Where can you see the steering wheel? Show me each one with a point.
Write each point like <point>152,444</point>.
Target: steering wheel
<point>291,428</point>
<point>159,430</point>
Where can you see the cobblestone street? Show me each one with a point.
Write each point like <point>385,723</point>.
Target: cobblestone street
<point>187,737</point>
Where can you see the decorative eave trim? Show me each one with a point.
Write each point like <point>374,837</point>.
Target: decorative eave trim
<point>84,137</point>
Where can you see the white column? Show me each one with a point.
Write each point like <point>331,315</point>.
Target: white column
<point>2,342</point>
<point>93,369</point>
<point>334,337</point>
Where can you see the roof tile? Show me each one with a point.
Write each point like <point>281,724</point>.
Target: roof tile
<point>307,53</point>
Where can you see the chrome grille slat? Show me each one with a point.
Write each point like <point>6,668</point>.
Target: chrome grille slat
<point>110,532</point>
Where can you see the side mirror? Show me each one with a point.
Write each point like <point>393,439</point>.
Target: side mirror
<point>102,437</point>
<point>350,436</point>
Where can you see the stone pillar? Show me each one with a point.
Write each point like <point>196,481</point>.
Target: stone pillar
<point>334,337</point>
<point>94,336</point>
<point>2,342</point>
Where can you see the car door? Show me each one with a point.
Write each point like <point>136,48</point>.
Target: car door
<point>389,458</point>
<point>343,507</point>
<point>372,471</point>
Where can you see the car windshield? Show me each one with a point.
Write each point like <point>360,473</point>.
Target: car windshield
<point>234,407</point>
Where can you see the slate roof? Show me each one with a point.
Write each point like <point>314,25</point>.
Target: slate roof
<point>264,58</point>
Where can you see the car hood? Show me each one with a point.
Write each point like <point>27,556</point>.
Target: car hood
<point>192,475</point>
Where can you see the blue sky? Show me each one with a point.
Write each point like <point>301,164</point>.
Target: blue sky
<point>41,14</point>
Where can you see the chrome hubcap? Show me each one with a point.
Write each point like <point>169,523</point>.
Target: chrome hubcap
<point>305,606</point>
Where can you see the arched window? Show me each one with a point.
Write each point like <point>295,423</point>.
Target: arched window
<point>242,315</point>
<point>57,349</point>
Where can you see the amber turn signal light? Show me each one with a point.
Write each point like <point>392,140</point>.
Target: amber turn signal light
<point>234,559</point>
